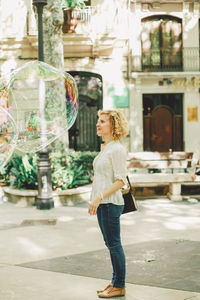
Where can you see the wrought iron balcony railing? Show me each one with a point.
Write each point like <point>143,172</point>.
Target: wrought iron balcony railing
<point>74,17</point>
<point>191,59</point>
<point>83,14</point>
<point>186,59</point>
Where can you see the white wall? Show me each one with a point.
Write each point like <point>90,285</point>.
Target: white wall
<point>148,83</point>
<point>191,130</point>
<point>136,117</point>
<point>13,18</point>
<point>191,98</point>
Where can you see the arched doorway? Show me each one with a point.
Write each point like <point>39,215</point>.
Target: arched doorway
<point>82,135</point>
<point>162,122</point>
<point>162,129</point>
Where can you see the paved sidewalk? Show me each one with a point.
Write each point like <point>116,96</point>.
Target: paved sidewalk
<point>36,237</point>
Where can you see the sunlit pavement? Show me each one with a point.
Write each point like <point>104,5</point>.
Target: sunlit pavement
<point>30,235</point>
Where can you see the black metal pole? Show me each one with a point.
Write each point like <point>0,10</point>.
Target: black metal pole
<point>40,34</point>
<point>44,199</point>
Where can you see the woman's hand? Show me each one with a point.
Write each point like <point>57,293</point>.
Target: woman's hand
<point>194,177</point>
<point>92,210</point>
<point>118,184</point>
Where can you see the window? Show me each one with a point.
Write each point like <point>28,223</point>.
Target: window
<point>161,43</point>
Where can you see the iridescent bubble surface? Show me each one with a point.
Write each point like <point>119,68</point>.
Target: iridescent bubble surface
<point>46,104</point>
<point>71,104</point>
<point>8,132</point>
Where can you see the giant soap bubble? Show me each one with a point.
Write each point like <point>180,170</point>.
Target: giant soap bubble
<point>46,104</point>
<point>8,134</point>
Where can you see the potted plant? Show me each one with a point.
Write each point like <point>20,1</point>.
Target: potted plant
<point>71,9</point>
<point>73,3</point>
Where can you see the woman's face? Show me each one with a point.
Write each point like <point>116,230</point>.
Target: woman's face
<point>104,128</point>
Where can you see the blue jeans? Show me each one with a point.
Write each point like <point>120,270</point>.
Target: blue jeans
<point>109,221</point>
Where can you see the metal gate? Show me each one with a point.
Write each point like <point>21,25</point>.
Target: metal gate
<point>82,135</point>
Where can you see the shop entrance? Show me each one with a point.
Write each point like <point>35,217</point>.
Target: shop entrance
<point>163,122</point>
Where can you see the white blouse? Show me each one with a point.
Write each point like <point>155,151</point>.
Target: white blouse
<point>109,165</point>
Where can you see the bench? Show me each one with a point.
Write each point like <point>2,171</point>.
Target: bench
<point>161,168</point>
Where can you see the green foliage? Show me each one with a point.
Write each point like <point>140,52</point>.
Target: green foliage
<point>21,171</point>
<point>62,178</point>
<point>81,165</point>
<point>5,174</point>
<point>61,175</point>
<point>34,121</point>
<point>73,3</point>
<point>69,170</point>
<point>72,169</point>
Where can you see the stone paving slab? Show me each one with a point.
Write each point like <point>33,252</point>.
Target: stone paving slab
<point>172,264</point>
<point>158,219</point>
<point>18,283</point>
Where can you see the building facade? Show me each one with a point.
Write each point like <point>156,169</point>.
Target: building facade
<point>141,56</point>
<point>164,76</point>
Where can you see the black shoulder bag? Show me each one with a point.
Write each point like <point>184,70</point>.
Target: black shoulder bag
<point>129,199</point>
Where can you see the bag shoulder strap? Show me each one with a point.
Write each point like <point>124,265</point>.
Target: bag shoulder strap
<point>128,181</point>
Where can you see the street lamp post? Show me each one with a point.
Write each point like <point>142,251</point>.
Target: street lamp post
<point>44,199</point>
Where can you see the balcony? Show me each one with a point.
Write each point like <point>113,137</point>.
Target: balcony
<point>77,20</point>
<point>93,31</point>
<point>185,60</point>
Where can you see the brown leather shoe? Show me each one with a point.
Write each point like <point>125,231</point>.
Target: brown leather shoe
<point>113,292</point>
<point>106,288</point>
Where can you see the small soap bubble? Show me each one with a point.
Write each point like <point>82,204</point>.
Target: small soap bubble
<point>45,104</point>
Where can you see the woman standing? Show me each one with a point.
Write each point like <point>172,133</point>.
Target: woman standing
<point>106,198</point>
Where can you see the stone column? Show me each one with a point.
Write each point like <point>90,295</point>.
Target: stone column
<point>191,37</point>
<point>136,117</point>
<point>135,38</point>
<point>175,191</point>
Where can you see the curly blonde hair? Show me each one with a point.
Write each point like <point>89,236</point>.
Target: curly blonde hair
<point>119,124</point>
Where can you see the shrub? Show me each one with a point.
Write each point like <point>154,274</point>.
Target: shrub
<point>21,172</point>
<point>68,170</point>
<point>81,165</point>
